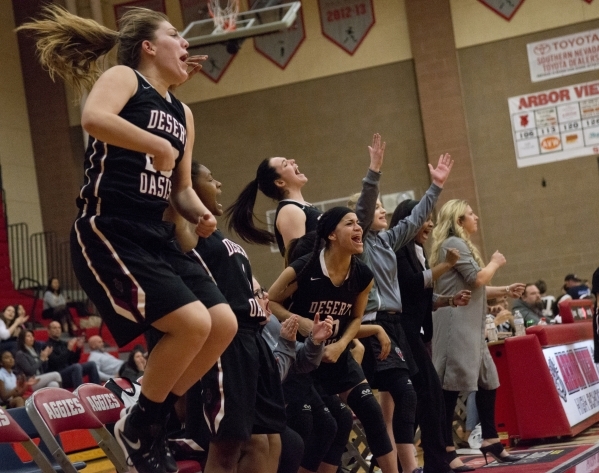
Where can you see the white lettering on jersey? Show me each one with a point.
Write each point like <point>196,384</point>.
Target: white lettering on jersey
<point>233,248</point>
<point>160,120</point>
<point>154,182</point>
<point>255,309</point>
<point>325,308</point>
<point>103,402</point>
<point>159,186</point>
<point>3,418</point>
<point>63,408</point>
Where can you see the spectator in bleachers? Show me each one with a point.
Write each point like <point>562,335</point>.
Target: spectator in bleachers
<point>498,308</point>
<point>12,387</point>
<point>135,365</point>
<point>10,327</point>
<point>575,288</point>
<point>65,359</point>
<point>549,302</point>
<point>529,305</point>
<point>108,366</point>
<point>32,360</point>
<point>55,306</point>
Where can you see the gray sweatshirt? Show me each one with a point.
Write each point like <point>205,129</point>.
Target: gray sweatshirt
<point>380,247</point>
<point>295,357</point>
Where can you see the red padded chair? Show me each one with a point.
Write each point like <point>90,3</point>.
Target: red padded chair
<point>107,407</point>
<point>11,432</point>
<point>56,410</point>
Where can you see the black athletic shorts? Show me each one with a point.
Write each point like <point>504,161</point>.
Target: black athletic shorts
<point>229,389</point>
<point>400,356</point>
<point>133,272</point>
<point>336,378</point>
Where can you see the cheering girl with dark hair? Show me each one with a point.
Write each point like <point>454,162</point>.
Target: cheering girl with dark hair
<point>333,282</point>
<point>281,180</point>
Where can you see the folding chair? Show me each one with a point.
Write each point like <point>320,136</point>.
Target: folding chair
<point>106,407</point>
<point>56,410</point>
<point>11,432</point>
<point>13,462</point>
<point>358,455</point>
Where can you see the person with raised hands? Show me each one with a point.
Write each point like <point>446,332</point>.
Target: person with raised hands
<point>391,374</point>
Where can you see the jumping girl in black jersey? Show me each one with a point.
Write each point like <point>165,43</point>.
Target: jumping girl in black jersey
<point>332,282</point>
<point>232,403</point>
<point>139,158</point>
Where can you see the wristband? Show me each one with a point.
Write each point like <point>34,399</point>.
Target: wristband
<point>311,337</point>
<point>507,289</point>
<point>451,302</point>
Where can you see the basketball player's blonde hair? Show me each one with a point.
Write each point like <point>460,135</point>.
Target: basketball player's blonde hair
<point>72,47</point>
<point>448,224</point>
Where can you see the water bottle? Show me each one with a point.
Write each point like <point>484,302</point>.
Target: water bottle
<point>491,329</point>
<point>519,323</point>
<point>543,321</point>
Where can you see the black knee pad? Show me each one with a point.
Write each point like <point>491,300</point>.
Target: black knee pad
<point>404,413</point>
<point>319,442</point>
<point>367,409</point>
<point>344,418</point>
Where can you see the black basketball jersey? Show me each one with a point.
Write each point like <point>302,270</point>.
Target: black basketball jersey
<point>312,216</point>
<point>228,263</point>
<point>316,293</point>
<point>119,181</point>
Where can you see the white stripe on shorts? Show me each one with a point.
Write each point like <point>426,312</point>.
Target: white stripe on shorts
<point>141,295</point>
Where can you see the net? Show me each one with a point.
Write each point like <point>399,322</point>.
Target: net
<point>225,18</point>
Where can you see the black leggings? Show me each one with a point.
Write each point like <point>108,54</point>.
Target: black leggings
<point>318,427</point>
<point>485,404</point>
<point>292,450</point>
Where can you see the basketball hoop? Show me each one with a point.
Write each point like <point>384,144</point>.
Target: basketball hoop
<point>225,19</point>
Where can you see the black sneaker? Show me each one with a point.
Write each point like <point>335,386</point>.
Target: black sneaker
<point>170,464</point>
<point>143,454</point>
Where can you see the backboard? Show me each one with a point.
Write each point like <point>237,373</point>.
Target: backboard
<point>249,23</point>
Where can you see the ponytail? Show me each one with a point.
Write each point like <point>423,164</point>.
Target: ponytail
<point>72,47</point>
<point>240,214</point>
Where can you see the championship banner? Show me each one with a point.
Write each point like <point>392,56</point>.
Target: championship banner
<point>156,5</point>
<point>219,59</point>
<point>555,124</point>
<point>281,46</point>
<point>505,8</point>
<point>346,22</point>
<point>576,379</point>
<point>563,56</point>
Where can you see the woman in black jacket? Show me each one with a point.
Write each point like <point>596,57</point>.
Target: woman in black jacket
<point>33,363</point>
<point>416,287</point>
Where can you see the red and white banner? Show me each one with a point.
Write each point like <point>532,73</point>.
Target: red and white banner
<point>281,46</point>
<point>564,55</point>
<point>555,124</point>
<point>219,59</point>
<point>156,5</point>
<point>346,22</point>
<point>504,8</point>
<point>576,379</point>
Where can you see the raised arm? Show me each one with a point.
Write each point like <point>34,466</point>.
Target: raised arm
<point>370,184</point>
<point>407,228</point>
